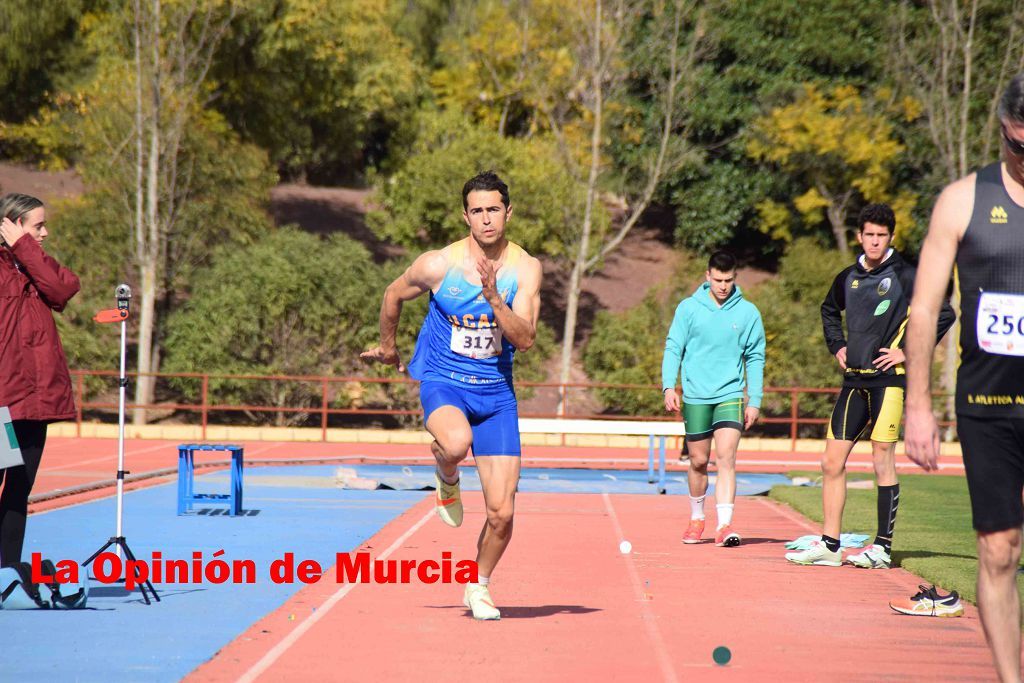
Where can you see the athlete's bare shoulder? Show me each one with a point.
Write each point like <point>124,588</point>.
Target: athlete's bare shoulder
<point>529,269</point>
<point>532,264</point>
<point>429,268</point>
<point>953,209</point>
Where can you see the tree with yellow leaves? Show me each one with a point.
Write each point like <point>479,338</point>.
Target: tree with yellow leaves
<point>504,63</point>
<point>841,150</point>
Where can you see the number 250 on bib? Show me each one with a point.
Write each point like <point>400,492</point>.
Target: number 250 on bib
<point>1001,323</point>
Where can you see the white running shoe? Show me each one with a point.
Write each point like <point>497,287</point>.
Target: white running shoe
<point>873,557</point>
<point>478,599</point>
<point>819,554</point>
<point>448,502</point>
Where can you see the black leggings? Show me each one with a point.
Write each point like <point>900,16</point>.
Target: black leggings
<point>17,482</point>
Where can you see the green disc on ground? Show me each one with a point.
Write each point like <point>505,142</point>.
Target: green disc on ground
<point>721,655</point>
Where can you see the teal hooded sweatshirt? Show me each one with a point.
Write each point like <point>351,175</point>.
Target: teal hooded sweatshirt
<point>714,345</point>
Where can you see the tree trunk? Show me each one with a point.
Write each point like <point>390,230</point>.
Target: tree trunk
<point>149,253</point>
<point>147,318</point>
<point>140,151</point>
<point>837,219</point>
<point>572,306</point>
<point>579,265</point>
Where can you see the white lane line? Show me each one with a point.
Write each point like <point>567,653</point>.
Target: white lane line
<point>785,512</point>
<point>667,670</point>
<point>275,652</point>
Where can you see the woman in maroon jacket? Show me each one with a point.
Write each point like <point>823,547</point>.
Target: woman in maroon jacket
<point>34,380</point>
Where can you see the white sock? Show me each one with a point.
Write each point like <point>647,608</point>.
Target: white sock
<point>697,507</point>
<point>724,514</point>
<point>483,580</point>
<point>446,479</point>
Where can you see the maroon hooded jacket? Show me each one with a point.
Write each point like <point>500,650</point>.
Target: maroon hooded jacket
<point>34,379</point>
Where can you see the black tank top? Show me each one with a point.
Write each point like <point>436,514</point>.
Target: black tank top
<point>990,263</point>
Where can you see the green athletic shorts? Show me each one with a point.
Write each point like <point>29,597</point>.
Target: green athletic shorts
<point>702,419</point>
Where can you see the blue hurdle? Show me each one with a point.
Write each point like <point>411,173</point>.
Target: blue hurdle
<point>186,479</point>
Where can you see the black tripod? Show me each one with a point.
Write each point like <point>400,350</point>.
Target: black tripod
<point>113,315</point>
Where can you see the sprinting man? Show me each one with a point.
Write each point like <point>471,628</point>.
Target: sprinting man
<point>875,293</point>
<point>978,226</point>
<point>717,338</point>
<point>484,305</point>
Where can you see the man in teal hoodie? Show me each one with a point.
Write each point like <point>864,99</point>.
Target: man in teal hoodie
<point>718,339</point>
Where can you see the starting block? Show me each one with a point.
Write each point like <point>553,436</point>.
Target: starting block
<point>186,478</point>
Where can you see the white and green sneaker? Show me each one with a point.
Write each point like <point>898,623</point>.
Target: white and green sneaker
<point>819,554</point>
<point>478,599</point>
<point>873,557</point>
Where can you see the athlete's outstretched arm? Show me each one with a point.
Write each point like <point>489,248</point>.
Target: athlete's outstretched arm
<point>519,323</point>
<point>949,220</point>
<point>423,275</point>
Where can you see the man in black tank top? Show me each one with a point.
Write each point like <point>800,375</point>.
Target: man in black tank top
<point>978,225</point>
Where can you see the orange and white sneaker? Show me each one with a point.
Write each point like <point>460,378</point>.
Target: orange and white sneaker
<point>478,599</point>
<point>727,538</point>
<point>928,602</point>
<point>448,501</point>
<point>694,531</point>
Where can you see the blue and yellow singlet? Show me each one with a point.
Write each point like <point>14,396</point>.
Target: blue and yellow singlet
<point>460,341</point>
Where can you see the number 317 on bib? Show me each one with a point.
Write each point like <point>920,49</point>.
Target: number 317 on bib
<point>484,342</point>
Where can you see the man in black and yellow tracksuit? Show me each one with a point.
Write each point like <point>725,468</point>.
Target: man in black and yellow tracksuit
<point>875,292</point>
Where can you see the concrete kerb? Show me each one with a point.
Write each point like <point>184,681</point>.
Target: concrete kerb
<point>417,436</point>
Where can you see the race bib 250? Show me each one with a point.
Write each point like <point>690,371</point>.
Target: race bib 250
<point>1001,323</point>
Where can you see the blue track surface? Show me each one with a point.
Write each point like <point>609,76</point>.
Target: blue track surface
<point>120,637</point>
<point>297,509</point>
<point>541,480</point>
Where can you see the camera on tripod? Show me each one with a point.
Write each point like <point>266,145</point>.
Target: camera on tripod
<point>120,315</point>
<point>124,295</point>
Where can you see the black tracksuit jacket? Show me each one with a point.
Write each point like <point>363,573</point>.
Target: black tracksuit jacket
<point>877,305</point>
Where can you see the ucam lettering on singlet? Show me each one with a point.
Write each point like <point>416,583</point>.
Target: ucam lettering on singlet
<point>468,320</point>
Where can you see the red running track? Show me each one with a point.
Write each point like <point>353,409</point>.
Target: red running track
<point>575,608</point>
<point>70,463</point>
<point>573,605</point>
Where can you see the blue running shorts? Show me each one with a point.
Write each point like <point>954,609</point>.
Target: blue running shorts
<point>491,410</point>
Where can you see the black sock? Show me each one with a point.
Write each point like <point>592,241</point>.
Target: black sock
<point>831,543</point>
<point>888,504</point>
